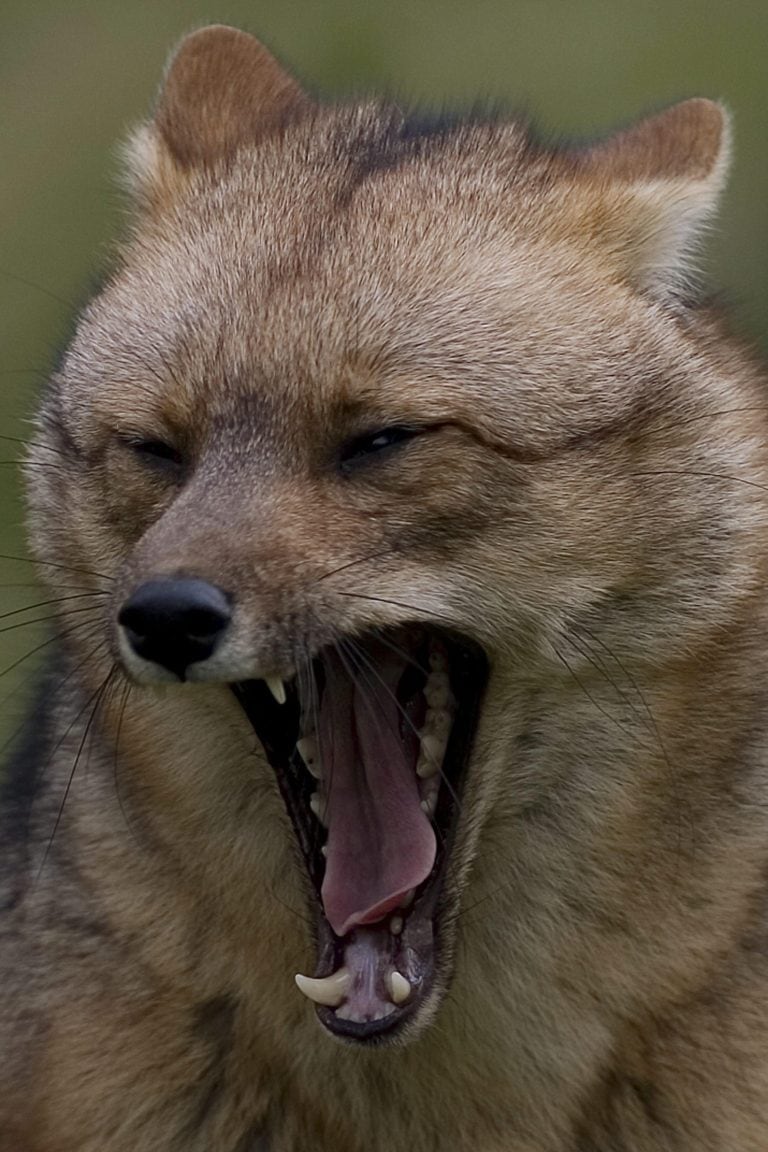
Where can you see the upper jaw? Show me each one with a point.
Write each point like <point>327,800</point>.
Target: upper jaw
<point>370,742</point>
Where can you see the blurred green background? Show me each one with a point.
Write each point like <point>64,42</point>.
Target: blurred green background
<point>74,75</point>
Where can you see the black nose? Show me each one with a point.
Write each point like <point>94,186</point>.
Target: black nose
<point>175,622</point>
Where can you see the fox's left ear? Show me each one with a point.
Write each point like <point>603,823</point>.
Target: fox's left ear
<point>222,91</point>
<point>654,187</point>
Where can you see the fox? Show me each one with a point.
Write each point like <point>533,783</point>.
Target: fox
<point>397,779</point>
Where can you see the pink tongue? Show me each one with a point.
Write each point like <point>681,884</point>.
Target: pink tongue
<point>380,842</point>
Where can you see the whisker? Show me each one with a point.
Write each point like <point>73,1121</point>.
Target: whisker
<point>657,731</point>
<point>383,639</point>
<point>37,287</point>
<point>51,564</point>
<point>356,650</point>
<point>586,651</point>
<point>43,619</point>
<point>695,474</point>
<point>46,603</point>
<point>422,613</point>
<point>617,723</point>
<point>95,698</point>
<point>353,563</point>
<point>308,691</point>
<point>361,656</point>
<point>8,742</point>
<point>22,464</point>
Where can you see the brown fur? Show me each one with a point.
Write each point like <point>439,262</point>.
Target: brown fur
<point>590,506</point>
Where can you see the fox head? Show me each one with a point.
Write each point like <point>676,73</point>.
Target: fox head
<point>411,422</point>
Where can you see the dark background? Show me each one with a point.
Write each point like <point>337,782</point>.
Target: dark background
<point>74,75</point>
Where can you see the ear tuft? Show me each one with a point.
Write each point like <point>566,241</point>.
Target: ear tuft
<point>659,183</point>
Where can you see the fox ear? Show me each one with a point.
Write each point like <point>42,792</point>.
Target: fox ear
<point>658,184</point>
<point>222,90</point>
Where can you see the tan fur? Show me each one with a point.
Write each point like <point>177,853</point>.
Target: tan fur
<point>590,506</point>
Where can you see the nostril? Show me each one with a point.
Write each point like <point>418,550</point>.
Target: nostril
<point>175,622</point>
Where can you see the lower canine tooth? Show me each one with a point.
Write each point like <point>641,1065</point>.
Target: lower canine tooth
<point>398,987</point>
<point>396,925</point>
<point>330,990</point>
<point>276,687</point>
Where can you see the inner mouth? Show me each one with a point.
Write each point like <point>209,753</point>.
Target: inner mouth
<point>369,747</point>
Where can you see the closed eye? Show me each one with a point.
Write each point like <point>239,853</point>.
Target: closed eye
<point>155,453</point>
<point>377,443</point>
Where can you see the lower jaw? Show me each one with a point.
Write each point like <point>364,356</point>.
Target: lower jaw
<point>391,969</point>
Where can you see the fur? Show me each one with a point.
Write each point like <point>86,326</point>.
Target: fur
<point>589,505</point>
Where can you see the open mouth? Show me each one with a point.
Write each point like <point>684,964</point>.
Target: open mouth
<point>370,746</point>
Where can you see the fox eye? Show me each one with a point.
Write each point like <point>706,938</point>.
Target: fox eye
<point>356,451</point>
<point>156,453</point>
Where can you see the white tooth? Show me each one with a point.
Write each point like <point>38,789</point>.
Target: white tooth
<point>437,690</point>
<point>398,987</point>
<point>386,1011</point>
<point>324,850</point>
<point>346,1013</point>
<point>429,805</point>
<point>430,755</point>
<point>318,806</point>
<point>307,749</point>
<point>407,900</point>
<point>437,722</point>
<point>396,925</point>
<point>330,990</point>
<point>276,687</point>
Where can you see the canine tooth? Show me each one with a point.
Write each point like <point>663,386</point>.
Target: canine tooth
<point>307,749</point>
<point>396,925</point>
<point>276,687</point>
<point>398,987</point>
<point>429,804</point>
<point>318,806</point>
<point>324,850</point>
<point>329,990</point>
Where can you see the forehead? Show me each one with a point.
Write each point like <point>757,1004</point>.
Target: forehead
<point>305,271</point>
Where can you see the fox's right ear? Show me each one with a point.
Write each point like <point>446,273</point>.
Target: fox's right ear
<point>222,90</point>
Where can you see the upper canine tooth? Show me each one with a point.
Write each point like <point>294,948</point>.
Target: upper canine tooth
<point>276,687</point>
<point>329,990</point>
<point>398,987</point>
